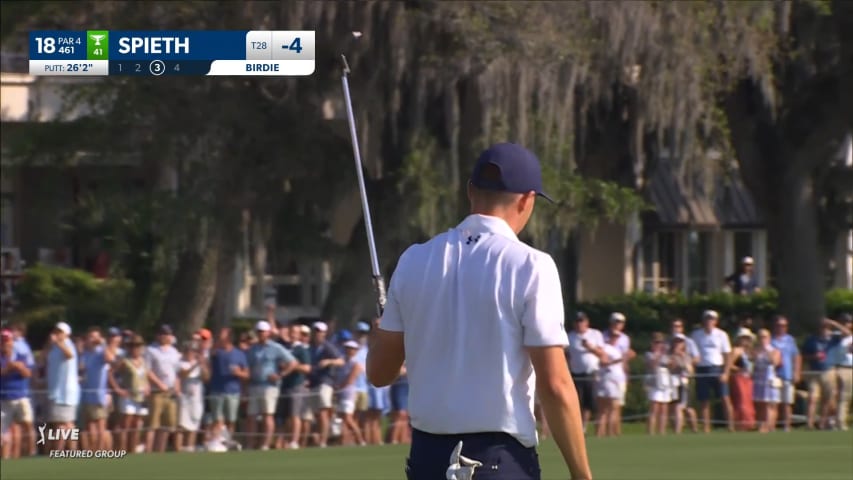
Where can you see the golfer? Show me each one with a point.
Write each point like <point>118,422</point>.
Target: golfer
<point>478,317</point>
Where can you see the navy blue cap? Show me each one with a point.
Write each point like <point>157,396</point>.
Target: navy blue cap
<point>519,168</point>
<point>114,332</point>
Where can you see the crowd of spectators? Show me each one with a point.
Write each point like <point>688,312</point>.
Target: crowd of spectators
<point>290,385</point>
<point>755,378</point>
<point>284,385</point>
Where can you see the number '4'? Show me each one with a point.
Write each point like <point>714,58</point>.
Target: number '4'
<point>296,45</point>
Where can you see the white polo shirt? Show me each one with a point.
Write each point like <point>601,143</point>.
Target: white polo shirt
<point>623,343</point>
<point>711,346</point>
<point>468,301</point>
<point>581,360</point>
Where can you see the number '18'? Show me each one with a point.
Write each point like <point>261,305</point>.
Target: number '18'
<point>45,45</point>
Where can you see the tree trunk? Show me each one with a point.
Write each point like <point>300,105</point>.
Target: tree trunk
<point>793,231</point>
<point>261,231</point>
<point>191,292</point>
<point>225,300</point>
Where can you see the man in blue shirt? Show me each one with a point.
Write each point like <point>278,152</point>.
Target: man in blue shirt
<point>294,392</point>
<point>228,368</point>
<point>821,375</point>
<point>28,441</point>
<point>63,386</point>
<point>324,357</point>
<point>268,362</point>
<point>789,371</point>
<point>95,362</point>
<point>17,413</point>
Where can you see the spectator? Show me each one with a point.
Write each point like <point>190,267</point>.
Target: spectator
<point>743,282</point>
<point>193,372</point>
<point>324,357</point>
<point>714,348</point>
<point>738,369</point>
<point>15,370</point>
<point>611,378</point>
<point>767,385</point>
<point>789,371</point>
<point>677,329</point>
<point>583,355</point>
<point>659,384</point>
<point>347,376</point>
<point>130,379</point>
<point>228,368</point>
<point>19,334</point>
<point>268,362</point>
<point>398,430</point>
<point>844,369</point>
<point>63,386</point>
<point>617,325</point>
<point>681,370</point>
<point>95,361</point>
<point>378,404</point>
<point>205,338</point>
<point>821,376</point>
<point>362,330</point>
<point>163,363</point>
<point>293,390</point>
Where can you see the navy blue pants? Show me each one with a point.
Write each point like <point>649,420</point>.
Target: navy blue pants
<point>502,456</point>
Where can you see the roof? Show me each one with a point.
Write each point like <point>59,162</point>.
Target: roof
<point>676,206</point>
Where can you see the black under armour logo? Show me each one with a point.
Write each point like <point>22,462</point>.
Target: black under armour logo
<point>472,239</point>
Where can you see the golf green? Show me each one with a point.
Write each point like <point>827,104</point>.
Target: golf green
<point>747,456</point>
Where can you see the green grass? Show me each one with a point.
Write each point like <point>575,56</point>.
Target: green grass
<point>747,456</point>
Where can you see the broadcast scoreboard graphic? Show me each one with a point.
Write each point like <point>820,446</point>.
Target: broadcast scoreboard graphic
<point>156,53</point>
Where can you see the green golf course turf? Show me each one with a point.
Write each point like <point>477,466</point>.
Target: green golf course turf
<point>747,456</point>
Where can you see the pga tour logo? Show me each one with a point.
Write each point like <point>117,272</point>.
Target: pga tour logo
<point>57,434</point>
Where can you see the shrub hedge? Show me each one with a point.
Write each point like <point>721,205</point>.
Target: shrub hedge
<point>47,295</point>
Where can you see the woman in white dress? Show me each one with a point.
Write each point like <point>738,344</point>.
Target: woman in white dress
<point>194,371</point>
<point>658,384</point>
<point>609,384</point>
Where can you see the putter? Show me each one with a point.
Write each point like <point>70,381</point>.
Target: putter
<point>378,281</point>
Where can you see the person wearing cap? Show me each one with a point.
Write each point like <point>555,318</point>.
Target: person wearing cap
<point>294,392</point>
<point>789,371</point>
<point>63,385</point>
<point>843,355</point>
<point>609,384</point>
<point>96,358</point>
<point>623,343</point>
<point>767,386</point>
<point>714,349</point>
<point>681,369</point>
<point>17,413</point>
<point>228,369</point>
<point>362,330</point>
<point>325,357</point>
<point>345,385</point>
<point>659,385</point>
<point>163,362</point>
<point>268,363</point>
<point>583,355</point>
<point>743,282</point>
<point>478,317</point>
<point>131,385</point>
<point>739,367</point>
<point>817,350</point>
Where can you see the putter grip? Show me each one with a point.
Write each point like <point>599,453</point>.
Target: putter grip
<point>379,286</point>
